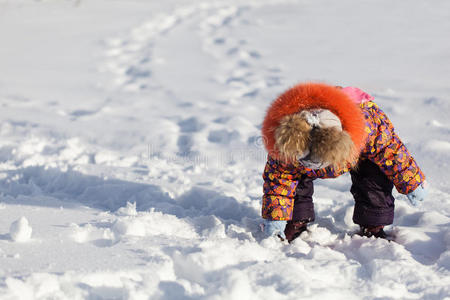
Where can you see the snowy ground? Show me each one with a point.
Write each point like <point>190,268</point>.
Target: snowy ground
<point>130,142</point>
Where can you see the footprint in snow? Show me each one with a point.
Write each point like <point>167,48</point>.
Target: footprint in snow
<point>190,125</point>
<point>222,136</point>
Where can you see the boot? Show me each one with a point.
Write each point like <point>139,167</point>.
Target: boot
<point>376,231</point>
<point>294,229</point>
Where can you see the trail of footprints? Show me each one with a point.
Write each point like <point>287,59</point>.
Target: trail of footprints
<point>242,71</point>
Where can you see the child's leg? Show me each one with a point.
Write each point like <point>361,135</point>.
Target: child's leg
<point>372,191</point>
<point>303,201</point>
<point>303,209</point>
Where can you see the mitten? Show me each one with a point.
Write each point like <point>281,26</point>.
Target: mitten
<point>271,228</point>
<point>418,195</point>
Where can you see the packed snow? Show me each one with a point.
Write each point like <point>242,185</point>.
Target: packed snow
<point>20,230</point>
<point>131,155</point>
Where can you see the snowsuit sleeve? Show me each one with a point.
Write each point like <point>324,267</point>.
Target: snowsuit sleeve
<point>280,183</point>
<point>386,150</point>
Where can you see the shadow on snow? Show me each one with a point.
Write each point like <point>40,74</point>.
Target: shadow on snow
<point>54,188</point>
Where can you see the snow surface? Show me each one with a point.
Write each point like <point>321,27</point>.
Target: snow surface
<point>130,141</point>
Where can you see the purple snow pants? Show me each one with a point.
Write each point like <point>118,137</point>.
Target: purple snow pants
<point>371,189</point>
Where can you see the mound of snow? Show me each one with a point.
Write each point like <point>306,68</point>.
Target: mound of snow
<point>20,230</point>
<point>152,223</point>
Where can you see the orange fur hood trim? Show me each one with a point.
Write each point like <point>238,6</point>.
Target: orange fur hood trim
<point>307,96</point>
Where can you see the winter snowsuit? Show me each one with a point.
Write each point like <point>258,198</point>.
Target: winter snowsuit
<point>383,160</point>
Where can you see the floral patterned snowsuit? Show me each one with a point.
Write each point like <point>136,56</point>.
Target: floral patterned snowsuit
<point>383,163</point>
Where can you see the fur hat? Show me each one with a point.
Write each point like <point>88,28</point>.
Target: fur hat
<point>315,124</point>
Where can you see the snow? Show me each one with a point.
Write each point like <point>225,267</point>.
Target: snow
<point>20,230</point>
<point>130,147</point>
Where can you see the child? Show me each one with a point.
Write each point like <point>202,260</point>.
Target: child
<point>320,131</point>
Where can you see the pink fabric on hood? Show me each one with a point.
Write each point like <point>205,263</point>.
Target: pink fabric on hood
<point>357,95</point>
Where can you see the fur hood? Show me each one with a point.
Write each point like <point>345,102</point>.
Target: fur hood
<point>314,122</point>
